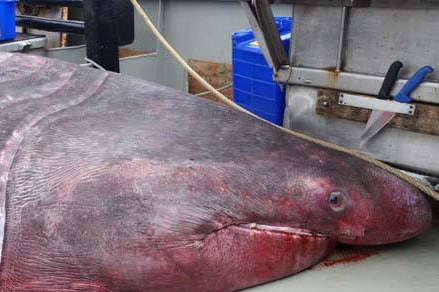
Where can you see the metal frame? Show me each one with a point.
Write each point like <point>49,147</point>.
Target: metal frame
<point>261,20</point>
<point>352,82</point>
<point>24,42</point>
<point>334,79</point>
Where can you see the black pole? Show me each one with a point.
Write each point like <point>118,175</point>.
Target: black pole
<point>50,24</point>
<point>100,34</point>
<point>124,19</point>
<point>108,24</point>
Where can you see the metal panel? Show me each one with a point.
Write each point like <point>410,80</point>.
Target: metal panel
<point>144,39</point>
<point>375,38</point>
<point>347,3</point>
<point>406,149</point>
<point>316,34</point>
<point>74,54</point>
<point>378,37</point>
<point>414,4</point>
<point>144,67</point>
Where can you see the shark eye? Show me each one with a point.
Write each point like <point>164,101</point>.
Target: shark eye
<point>337,201</point>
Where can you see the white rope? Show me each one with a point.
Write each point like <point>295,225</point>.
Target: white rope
<point>218,89</point>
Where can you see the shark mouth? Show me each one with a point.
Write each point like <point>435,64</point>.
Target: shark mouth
<point>283,229</point>
<point>302,244</point>
<point>262,253</point>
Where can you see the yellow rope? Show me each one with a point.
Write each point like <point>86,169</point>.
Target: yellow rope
<point>424,188</point>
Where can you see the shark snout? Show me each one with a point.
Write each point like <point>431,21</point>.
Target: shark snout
<point>394,213</point>
<point>413,215</point>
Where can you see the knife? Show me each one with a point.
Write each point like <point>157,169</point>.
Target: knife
<point>379,119</point>
<point>383,94</point>
<point>390,80</point>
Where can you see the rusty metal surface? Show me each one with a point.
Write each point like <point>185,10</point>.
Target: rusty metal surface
<point>328,78</point>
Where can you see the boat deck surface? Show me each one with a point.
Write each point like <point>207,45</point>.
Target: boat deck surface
<point>409,266</point>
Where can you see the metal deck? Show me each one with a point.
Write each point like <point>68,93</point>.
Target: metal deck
<point>408,266</point>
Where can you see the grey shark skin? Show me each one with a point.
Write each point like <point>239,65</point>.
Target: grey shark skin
<point>109,183</point>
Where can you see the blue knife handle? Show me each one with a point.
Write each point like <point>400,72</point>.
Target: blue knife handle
<point>404,94</point>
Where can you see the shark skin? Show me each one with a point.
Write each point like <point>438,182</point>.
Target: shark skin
<point>110,183</point>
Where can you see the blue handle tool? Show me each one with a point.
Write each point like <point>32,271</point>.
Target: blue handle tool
<point>404,94</point>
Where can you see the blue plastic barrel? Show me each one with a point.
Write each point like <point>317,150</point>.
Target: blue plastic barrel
<point>253,84</point>
<point>7,19</point>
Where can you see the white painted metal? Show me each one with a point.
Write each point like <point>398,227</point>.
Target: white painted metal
<point>376,104</point>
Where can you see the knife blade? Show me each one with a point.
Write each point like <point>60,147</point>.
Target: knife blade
<point>384,94</point>
<point>377,121</point>
<point>380,119</point>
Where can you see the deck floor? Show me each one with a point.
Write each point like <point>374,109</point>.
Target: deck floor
<point>409,266</point>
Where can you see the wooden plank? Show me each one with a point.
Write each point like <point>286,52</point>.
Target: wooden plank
<point>127,52</point>
<point>425,120</point>
<point>217,74</point>
<point>64,16</point>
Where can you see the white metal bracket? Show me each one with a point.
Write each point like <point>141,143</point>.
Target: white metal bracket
<point>362,101</point>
